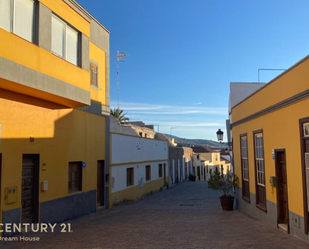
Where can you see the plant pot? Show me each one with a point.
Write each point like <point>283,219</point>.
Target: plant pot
<point>227,202</point>
<point>192,178</point>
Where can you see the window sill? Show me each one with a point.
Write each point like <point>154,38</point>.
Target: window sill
<point>262,207</point>
<point>58,56</point>
<point>95,87</point>
<point>246,199</point>
<point>74,192</point>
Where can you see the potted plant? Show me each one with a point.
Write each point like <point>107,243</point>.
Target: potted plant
<point>192,177</point>
<point>224,183</point>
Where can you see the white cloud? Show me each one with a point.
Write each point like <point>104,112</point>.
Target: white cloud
<point>186,124</point>
<point>152,109</point>
<point>188,121</point>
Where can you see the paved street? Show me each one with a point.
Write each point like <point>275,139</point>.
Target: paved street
<point>186,216</point>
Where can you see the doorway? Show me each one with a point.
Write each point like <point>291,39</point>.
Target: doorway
<point>30,188</point>
<point>205,178</point>
<point>164,174</point>
<point>198,173</point>
<point>100,183</point>
<point>0,184</point>
<point>282,190</point>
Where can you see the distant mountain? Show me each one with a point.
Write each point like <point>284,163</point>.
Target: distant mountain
<point>197,142</point>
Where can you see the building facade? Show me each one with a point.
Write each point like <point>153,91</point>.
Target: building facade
<point>138,167</point>
<point>270,144</point>
<point>181,163</point>
<point>54,112</point>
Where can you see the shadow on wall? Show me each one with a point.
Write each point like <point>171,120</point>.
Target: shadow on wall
<point>42,139</point>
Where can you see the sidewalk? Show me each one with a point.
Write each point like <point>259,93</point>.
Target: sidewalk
<point>186,216</point>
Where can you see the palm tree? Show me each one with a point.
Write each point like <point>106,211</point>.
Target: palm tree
<point>117,113</point>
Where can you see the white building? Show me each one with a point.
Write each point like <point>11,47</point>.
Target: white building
<point>138,167</point>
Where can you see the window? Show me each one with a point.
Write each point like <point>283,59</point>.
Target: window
<point>260,170</point>
<point>64,40</point>
<point>222,169</point>
<point>244,158</point>
<point>75,176</point>
<point>148,173</point>
<point>259,159</point>
<point>306,129</point>
<point>130,176</point>
<point>141,134</point>
<point>94,74</point>
<point>17,16</point>
<point>198,157</point>
<point>245,167</point>
<point>160,170</point>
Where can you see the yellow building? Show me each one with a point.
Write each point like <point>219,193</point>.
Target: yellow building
<point>54,111</point>
<point>270,130</point>
<point>225,165</point>
<point>211,157</point>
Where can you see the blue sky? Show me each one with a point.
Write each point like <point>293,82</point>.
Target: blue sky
<point>184,54</point>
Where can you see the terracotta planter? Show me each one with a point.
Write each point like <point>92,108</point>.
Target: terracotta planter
<point>192,178</point>
<point>227,202</point>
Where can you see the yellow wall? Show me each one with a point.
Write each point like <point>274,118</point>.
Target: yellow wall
<point>68,14</point>
<point>289,84</point>
<point>225,166</point>
<point>99,56</point>
<point>32,56</point>
<point>215,158</point>
<point>60,136</point>
<point>280,130</point>
<point>135,192</point>
<point>211,156</point>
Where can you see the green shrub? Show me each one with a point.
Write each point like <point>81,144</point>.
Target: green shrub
<point>224,183</point>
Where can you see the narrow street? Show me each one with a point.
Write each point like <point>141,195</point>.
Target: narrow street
<point>186,216</point>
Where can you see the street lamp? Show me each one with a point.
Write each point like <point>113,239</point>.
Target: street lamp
<point>220,138</point>
<point>220,135</point>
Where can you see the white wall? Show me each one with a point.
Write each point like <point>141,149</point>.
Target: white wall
<point>183,169</point>
<point>178,170</point>
<point>119,174</point>
<point>125,149</point>
<point>241,90</point>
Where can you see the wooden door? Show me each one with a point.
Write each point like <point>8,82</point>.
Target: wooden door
<point>304,141</point>
<point>100,183</point>
<point>29,191</point>
<point>282,187</point>
<point>0,185</point>
<point>198,173</point>
<point>164,174</point>
<point>205,173</point>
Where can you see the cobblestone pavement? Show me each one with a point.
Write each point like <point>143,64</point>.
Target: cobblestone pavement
<point>186,216</point>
